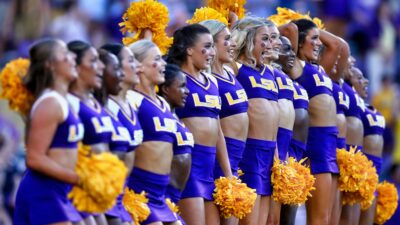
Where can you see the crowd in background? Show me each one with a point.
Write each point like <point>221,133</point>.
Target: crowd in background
<point>371,27</point>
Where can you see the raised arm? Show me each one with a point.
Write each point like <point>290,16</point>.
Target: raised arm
<point>290,31</point>
<point>343,59</point>
<point>332,48</point>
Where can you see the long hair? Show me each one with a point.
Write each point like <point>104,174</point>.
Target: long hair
<point>303,26</point>
<point>140,49</point>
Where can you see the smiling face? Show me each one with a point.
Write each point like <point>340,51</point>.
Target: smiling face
<point>276,43</point>
<point>202,52</point>
<point>262,45</point>
<point>154,66</point>
<point>225,46</point>
<point>91,69</point>
<point>113,75</point>
<point>177,91</point>
<point>310,48</point>
<point>286,55</point>
<point>130,67</point>
<point>359,82</point>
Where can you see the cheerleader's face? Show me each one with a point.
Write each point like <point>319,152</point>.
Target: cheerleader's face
<point>154,66</point>
<point>262,45</point>
<point>225,46</point>
<point>286,55</point>
<point>275,42</point>
<point>63,62</point>
<point>113,75</point>
<point>130,66</point>
<point>177,92</point>
<point>311,46</point>
<point>91,69</point>
<point>202,52</point>
<point>360,83</point>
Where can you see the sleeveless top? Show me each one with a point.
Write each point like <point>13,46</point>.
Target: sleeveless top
<point>300,96</point>
<point>341,99</point>
<point>285,85</point>
<point>373,121</point>
<point>184,139</point>
<point>356,104</point>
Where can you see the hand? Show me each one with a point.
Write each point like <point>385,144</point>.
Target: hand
<point>146,34</point>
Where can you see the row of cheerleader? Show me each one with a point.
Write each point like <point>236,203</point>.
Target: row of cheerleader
<point>234,120</point>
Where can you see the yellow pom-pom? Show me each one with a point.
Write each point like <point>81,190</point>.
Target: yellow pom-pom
<point>285,15</point>
<point>136,205</point>
<point>226,6</point>
<point>102,178</point>
<point>146,14</point>
<point>13,89</point>
<point>206,13</point>
<point>233,197</point>
<point>172,206</point>
<point>291,182</point>
<point>386,203</point>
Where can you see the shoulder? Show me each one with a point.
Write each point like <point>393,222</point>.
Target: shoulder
<point>135,99</point>
<point>74,102</point>
<point>113,106</point>
<point>55,102</point>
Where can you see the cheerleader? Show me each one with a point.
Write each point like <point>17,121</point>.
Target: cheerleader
<point>233,115</point>
<point>253,40</point>
<point>374,125</point>
<point>53,132</point>
<point>153,157</point>
<point>322,132</point>
<point>193,51</point>
<point>97,123</point>
<point>175,92</point>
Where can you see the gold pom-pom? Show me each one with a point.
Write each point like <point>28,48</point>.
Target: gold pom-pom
<point>226,6</point>
<point>146,14</point>
<point>386,203</point>
<point>207,13</point>
<point>233,197</point>
<point>172,206</point>
<point>102,178</point>
<point>13,89</point>
<point>136,205</point>
<point>240,173</point>
<point>291,182</point>
<point>285,15</point>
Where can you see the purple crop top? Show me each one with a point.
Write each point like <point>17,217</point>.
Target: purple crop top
<point>373,121</point>
<point>97,123</point>
<point>157,121</point>
<point>356,106</point>
<point>184,139</point>
<point>341,99</point>
<point>71,130</point>
<point>258,84</point>
<point>203,99</point>
<point>131,123</point>
<point>285,85</point>
<point>300,96</point>
<point>233,96</point>
<point>315,81</point>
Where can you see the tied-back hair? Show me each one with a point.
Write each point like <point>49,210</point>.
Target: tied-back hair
<point>114,48</point>
<point>304,25</point>
<point>101,93</point>
<point>214,26</point>
<point>79,48</point>
<point>184,38</point>
<point>171,72</point>
<point>140,49</point>
<point>39,77</point>
<point>244,33</point>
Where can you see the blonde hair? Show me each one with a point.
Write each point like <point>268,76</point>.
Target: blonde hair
<point>214,26</point>
<point>244,33</point>
<point>140,48</point>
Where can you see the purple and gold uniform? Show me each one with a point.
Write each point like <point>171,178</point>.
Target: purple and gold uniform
<point>258,155</point>
<point>42,199</point>
<point>342,105</point>
<point>321,141</point>
<point>234,101</point>
<point>297,148</point>
<point>203,101</point>
<point>286,89</point>
<point>374,124</point>
<point>158,124</point>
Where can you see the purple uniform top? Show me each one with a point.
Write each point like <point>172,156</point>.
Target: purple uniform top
<point>315,81</point>
<point>233,96</point>
<point>98,124</point>
<point>285,85</point>
<point>157,121</point>
<point>356,104</point>
<point>300,96</point>
<point>258,84</point>
<point>341,99</point>
<point>203,99</point>
<point>184,139</point>
<point>373,121</point>
<point>130,122</point>
<point>71,130</point>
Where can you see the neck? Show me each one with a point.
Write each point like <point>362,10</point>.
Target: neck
<point>190,69</point>
<point>218,68</point>
<point>81,90</point>
<point>147,89</point>
<point>122,94</point>
<point>61,87</point>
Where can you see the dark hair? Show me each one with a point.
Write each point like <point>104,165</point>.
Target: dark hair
<point>79,48</point>
<point>304,25</point>
<point>39,76</point>
<point>101,93</point>
<point>114,48</point>
<point>171,72</point>
<point>184,38</point>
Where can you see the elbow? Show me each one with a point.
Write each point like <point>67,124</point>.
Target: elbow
<point>32,161</point>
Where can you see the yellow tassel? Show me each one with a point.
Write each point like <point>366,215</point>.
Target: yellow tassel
<point>136,205</point>
<point>147,14</point>
<point>233,197</point>
<point>13,89</point>
<point>206,13</point>
<point>171,205</point>
<point>386,203</point>
<point>226,6</point>
<point>102,178</point>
